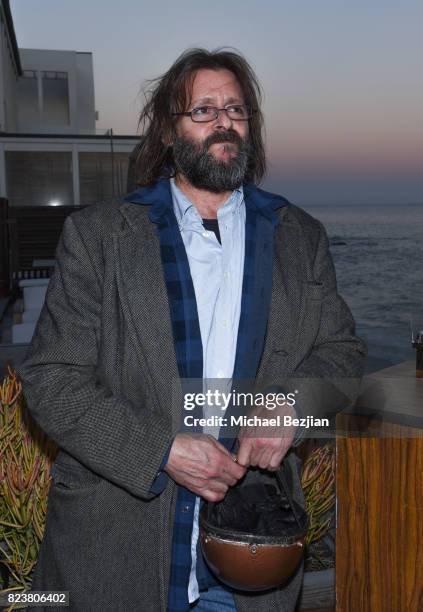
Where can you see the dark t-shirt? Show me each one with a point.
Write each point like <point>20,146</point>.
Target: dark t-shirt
<point>212,225</point>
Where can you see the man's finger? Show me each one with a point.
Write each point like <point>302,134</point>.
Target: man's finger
<point>235,470</point>
<point>264,458</point>
<point>244,452</point>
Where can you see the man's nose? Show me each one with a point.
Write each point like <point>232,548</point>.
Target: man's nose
<point>222,120</point>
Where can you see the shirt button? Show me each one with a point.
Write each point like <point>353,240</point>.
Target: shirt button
<point>205,234</point>
<point>185,508</point>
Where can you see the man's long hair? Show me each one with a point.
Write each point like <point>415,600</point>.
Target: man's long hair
<point>171,93</point>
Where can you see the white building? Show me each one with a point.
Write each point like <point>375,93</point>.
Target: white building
<point>50,150</point>
<point>50,155</point>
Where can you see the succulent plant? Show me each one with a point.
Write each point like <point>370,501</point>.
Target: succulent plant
<point>318,482</point>
<point>26,455</point>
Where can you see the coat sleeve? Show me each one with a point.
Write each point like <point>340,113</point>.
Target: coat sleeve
<point>337,351</point>
<point>105,432</point>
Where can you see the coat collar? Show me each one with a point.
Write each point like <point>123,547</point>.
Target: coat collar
<point>159,197</point>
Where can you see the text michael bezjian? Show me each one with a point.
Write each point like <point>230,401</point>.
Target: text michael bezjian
<point>254,421</point>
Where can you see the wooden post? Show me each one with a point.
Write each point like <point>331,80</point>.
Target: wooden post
<point>379,480</point>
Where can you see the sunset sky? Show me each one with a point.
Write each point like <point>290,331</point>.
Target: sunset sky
<point>342,80</point>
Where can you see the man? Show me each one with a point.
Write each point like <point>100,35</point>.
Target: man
<point>198,274</point>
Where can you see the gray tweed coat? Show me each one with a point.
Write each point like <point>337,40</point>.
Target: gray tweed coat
<point>98,379</point>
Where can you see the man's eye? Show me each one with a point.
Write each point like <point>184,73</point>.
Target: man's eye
<point>236,109</point>
<point>201,110</point>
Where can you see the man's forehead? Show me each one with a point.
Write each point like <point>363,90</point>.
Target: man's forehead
<point>207,85</point>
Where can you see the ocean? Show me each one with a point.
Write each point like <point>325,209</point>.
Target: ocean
<point>378,256</point>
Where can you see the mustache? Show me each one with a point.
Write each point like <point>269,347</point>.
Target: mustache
<point>227,136</point>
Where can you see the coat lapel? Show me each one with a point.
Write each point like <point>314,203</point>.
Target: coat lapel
<point>145,303</point>
<point>288,304</point>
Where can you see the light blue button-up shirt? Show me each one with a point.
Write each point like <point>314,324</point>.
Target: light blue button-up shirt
<point>217,273</point>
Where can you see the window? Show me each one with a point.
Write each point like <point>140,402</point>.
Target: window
<point>43,99</point>
<point>102,176</point>
<point>38,178</point>
<point>55,94</point>
<point>27,98</point>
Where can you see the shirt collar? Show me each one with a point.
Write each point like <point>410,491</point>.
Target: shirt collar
<point>184,209</point>
<point>181,204</point>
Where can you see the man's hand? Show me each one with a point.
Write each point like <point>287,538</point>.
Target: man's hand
<point>262,446</point>
<point>202,465</point>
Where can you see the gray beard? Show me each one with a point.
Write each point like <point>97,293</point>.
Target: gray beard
<point>203,170</point>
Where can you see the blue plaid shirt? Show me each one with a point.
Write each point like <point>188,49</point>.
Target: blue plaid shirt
<point>216,271</point>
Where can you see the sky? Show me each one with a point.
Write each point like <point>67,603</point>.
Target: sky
<point>342,80</point>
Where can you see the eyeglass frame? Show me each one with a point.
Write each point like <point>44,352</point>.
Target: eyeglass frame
<point>217,110</point>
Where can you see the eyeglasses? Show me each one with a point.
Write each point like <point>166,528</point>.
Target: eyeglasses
<point>203,114</point>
